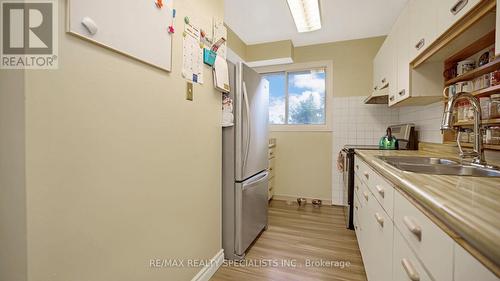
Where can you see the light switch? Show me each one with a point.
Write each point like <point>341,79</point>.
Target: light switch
<point>189,91</point>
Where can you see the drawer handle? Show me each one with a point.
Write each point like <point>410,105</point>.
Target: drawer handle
<point>367,176</point>
<point>391,98</point>
<point>379,219</point>
<point>357,167</point>
<point>380,190</point>
<point>420,44</point>
<point>383,80</point>
<point>402,92</point>
<point>365,194</point>
<point>414,228</point>
<point>357,187</point>
<point>455,9</point>
<point>356,207</point>
<point>410,270</point>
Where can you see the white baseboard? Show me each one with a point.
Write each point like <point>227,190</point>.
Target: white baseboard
<point>209,270</point>
<point>283,197</point>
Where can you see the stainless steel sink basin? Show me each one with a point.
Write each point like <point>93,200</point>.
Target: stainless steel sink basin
<point>416,160</point>
<point>438,166</point>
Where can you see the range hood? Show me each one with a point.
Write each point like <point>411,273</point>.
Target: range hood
<point>379,96</point>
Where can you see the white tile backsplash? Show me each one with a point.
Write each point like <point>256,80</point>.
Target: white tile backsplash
<point>427,120</point>
<point>357,123</point>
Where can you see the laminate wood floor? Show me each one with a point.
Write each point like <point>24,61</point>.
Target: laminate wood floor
<point>295,243</point>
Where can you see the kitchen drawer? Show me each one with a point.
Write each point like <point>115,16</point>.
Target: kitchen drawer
<point>406,266</point>
<point>364,193</point>
<point>271,153</point>
<point>383,191</point>
<point>358,208</point>
<point>357,186</point>
<point>362,170</point>
<point>379,230</point>
<point>468,268</point>
<point>272,166</point>
<point>430,243</point>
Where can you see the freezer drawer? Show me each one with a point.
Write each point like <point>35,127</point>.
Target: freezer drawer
<point>251,210</point>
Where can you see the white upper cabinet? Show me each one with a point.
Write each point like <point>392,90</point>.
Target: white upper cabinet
<point>450,11</point>
<point>402,38</point>
<point>423,25</point>
<point>377,69</point>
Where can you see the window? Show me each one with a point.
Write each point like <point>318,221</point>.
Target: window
<point>297,97</point>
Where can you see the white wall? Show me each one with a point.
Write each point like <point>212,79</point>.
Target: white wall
<point>104,165</point>
<point>356,123</point>
<point>427,120</point>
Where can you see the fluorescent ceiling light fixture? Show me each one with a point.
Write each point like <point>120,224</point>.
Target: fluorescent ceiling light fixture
<point>306,14</point>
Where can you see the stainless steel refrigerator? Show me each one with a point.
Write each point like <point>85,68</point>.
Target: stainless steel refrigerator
<point>245,162</point>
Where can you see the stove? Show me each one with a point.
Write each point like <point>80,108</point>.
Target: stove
<point>407,138</point>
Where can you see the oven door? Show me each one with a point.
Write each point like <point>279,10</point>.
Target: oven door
<point>345,178</point>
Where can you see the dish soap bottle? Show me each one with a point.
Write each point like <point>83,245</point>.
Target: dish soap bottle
<point>388,141</point>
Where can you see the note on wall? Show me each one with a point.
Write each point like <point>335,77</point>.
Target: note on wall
<point>192,61</point>
<point>116,25</point>
<point>220,32</point>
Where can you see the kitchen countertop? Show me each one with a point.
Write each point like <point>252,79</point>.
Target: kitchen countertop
<point>468,206</point>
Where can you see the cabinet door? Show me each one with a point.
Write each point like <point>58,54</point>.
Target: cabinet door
<point>379,238</point>
<point>403,55</point>
<point>468,268</point>
<point>423,25</point>
<point>391,63</point>
<point>432,245</point>
<point>450,11</point>
<point>385,67</point>
<point>376,70</point>
<point>406,265</point>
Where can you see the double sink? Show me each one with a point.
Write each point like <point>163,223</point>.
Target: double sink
<point>437,166</point>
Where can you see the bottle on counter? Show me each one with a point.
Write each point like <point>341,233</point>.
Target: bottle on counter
<point>388,141</point>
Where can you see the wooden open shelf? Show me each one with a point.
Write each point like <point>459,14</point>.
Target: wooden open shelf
<point>483,122</point>
<point>470,145</point>
<point>484,92</point>
<point>486,146</point>
<point>450,61</point>
<point>487,68</point>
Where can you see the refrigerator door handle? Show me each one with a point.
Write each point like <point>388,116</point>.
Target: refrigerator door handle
<point>249,131</point>
<point>256,181</point>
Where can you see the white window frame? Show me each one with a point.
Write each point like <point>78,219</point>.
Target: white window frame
<point>328,66</point>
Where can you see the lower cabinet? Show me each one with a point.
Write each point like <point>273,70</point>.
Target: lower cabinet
<point>398,242</point>
<point>406,266</point>
<point>379,230</point>
<point>468,268</point>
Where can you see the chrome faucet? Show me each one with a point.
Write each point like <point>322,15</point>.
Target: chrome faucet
<point>478,151</point>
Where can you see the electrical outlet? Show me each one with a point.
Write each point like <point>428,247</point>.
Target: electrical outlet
<point>189,91</point>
